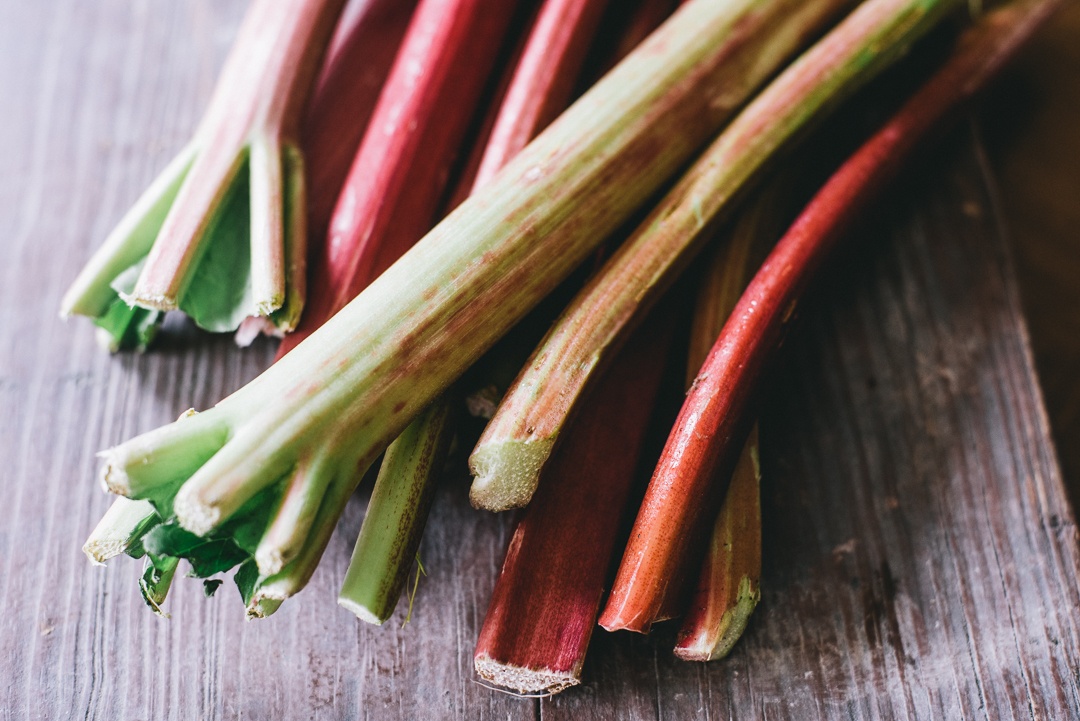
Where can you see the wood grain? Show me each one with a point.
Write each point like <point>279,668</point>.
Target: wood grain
<point>920,558</point>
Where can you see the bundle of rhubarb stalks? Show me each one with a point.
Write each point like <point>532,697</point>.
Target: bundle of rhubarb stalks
<point>594,164</point>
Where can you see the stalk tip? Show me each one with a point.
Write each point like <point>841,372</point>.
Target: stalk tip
<point>263,605</point>
<point>269,561</point>
<point>194,514</point>
<point>507,473</point>
<point>114,478</point>
<point>98,551</point>
<point>360,611</point>
<point>153,301</point>
<point>525,681</point>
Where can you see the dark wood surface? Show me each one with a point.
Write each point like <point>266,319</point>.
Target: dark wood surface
<point>1031,121</point>
<point>920,559</point>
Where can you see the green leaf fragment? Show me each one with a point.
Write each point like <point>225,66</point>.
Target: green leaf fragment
<point>156,581</point>
<point>219,297</point>
<point>211,585</point>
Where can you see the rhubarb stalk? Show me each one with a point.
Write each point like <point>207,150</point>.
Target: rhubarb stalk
<point>728,586</point>
<point>543,79</point>
<point>396,516</point>
<point>341,104</point>
<point>517,442</point>
<point>220,233</point>
<point>544,606</point>
<point>341,396</point>
<point>393,190</point>
<point>706,437</point>
<point>393,526</point>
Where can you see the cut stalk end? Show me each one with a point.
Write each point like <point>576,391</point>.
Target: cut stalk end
<point>713,644</point>
<point>616,621</point>
<point>150,300</point>
<point>507,473</point>
<point>122,525</point>
<point>525,681</point>
<point>360,611</point>
<point>193,513</point>
<point>100,550</point>
<point>114,478</point>
<point>263,605</point>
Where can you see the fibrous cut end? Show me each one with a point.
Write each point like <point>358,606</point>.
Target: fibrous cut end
<point>714,644</point>
<point>525,681</point>
<point>507,473</point>
<point>193,513</point>
<point>114,478</point>
<point>101,550</point>
<point>360,611</point>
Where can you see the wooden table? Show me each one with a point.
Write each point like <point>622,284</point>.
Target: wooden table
<point>920,559</point>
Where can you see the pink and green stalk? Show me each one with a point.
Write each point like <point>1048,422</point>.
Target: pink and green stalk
<point>682,494</point>
<point>390,197</point>
<point>344,98</point>
<point>320,415</point>
<point>395,186</point>
<point>392,529</point>
<point>543,79</point>
<point>220,234</point>
<point>517,442</point>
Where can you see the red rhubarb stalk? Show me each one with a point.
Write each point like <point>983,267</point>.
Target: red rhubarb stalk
<point>682,495</point>
<point>728,583</point>
<point>344,100</point>
<point>543,79</point>
<point>396,182</point>
<point>544,606</point>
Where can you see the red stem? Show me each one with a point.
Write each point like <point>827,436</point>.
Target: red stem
<point>343,101</point>
<point>392,193</point>
<point>543,79</point>
<point>543,609</point>
<point>703,445</point>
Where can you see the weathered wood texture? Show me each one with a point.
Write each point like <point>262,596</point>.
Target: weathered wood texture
<point>921,560</point>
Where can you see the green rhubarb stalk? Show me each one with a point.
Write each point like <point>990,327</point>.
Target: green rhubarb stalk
<point>220,234</point>
<point>356,383</point>
<point>518,441</point>
<point>396,516</point>
<point>120,529</point>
